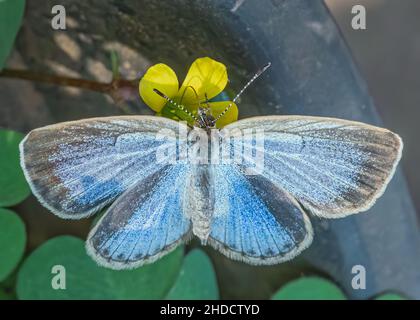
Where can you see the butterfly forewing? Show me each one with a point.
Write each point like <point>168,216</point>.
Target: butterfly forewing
<point>76,168</point>
<point>332,167</point>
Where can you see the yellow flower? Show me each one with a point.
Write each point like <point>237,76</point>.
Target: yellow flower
<point>205,80</point>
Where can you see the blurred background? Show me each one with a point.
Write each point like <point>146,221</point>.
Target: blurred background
<point>387,54</point>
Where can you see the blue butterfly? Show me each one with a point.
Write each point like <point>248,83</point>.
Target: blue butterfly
<point>327,167</point>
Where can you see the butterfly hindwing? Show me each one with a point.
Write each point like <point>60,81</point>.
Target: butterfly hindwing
<point>76,168</point>
<point>144,223</point>
<point>254,221</point>
<point>332,167</point>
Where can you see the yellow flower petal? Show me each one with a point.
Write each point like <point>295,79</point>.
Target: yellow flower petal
<point>205,76</point>
<point>160,77</point>
<point>218,107</point>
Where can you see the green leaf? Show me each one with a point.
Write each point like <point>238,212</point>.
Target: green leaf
<point>309,288</point>
<point>196,280</point>
<point>390,296</point>
<point>12,241</point>
<point>11,13</point>
<point>115,64</point>
<point>4,295</point>
<point>86,280</point>
<point>8,287</point>
<point>13,186</point>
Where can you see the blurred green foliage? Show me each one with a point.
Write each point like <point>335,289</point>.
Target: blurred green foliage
<point>390,296</point>
<point>13,189</point>
<point>12,242</point>
<point>315,288</point>
<point>13,185</point>
<point>86,280</point>
<point>309,288</point>
<point>11,13</point>
<point>196,279</point>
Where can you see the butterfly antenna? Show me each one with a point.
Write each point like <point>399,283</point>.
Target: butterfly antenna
<point>177,105</point>
<point>256,75</point>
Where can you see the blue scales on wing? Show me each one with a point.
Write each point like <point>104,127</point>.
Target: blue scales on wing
<point>254,221</point>
<point>144,223</point>
<point>332,167</point>
<point>77,168</point>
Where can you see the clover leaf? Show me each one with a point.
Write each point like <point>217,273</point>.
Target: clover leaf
<point>13,186</point>
<point>84,279</point>
<point>309,288</point>
<point>12,241</point>
<point>11,13</point>
<point>196,279</point>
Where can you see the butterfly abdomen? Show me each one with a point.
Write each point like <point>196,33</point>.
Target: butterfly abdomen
<point>199,201</point>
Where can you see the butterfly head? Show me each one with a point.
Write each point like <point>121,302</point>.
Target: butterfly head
<point>205,118</point>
